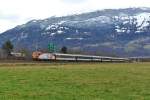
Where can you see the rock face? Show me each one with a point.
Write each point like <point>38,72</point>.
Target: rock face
<point>122,32</point>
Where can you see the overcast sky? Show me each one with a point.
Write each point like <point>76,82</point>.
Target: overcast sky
<point>16,12</point>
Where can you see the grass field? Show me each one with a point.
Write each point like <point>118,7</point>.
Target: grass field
<point>107,81</point>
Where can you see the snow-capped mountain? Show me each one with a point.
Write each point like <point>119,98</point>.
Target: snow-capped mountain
<point>124,32</point>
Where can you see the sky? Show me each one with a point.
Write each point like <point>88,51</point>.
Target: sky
<point>17,12</point>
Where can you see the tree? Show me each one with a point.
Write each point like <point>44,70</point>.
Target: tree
<point>64,49</point>
<point>8,48</point>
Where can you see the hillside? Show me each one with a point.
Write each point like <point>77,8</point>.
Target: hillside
<point>121,32</point>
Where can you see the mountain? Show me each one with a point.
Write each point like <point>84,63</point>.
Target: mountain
<point>120,32</point>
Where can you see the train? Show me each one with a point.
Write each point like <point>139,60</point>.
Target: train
<point>39,56</point>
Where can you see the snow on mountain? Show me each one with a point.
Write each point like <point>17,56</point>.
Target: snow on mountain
<point>60,32</point>
<point>51,27</point>
<point>143,20</point>
<point>139,21</point>
<point>74,38</point>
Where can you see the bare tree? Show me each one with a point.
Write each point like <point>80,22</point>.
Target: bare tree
<point>7,47</point>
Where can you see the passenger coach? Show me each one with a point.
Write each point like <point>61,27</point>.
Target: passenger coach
<point>74,57</point>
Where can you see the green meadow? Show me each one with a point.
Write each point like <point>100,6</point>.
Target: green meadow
<point>81,81</point>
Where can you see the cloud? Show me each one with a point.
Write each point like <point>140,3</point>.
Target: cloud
<point>14,12</point>
<point>74,1</point>
<point>9,17</point>
<point>5,24</point>
<point>8,21</point>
